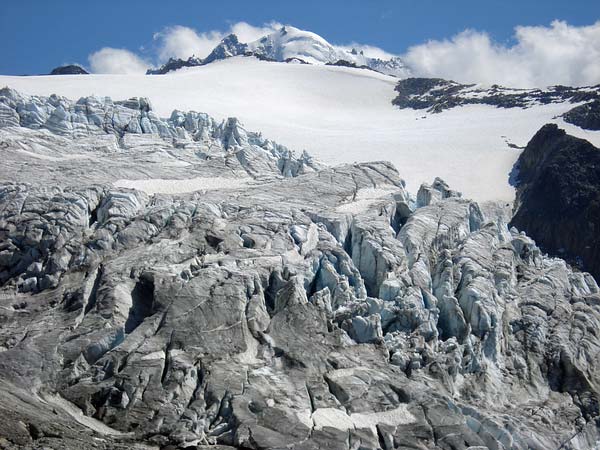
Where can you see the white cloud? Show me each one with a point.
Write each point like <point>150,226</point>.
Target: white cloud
<point>183,42</point>
<point>116,60</point>
<point>248,33</point>
<point>541,56</point>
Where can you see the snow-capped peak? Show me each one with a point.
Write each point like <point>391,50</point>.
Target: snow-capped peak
<point>291,44</point>
<point>229,46</point>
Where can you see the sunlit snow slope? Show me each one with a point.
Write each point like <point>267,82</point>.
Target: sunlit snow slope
<point>337,114</point>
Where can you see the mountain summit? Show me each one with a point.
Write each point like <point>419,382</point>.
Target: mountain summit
<point>290,44</point>
<point>229,46</point>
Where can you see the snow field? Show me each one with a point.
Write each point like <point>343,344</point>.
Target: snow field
<point>339,115</point>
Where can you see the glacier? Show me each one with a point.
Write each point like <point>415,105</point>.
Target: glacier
<point>309,307</point>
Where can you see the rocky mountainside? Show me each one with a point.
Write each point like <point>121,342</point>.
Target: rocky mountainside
<point>436,95</point>
<point>311,307</point>
<point>586,116</point>
<point>289,44</point>
<point>175,64</point>
<point>228,47</point>
<point>558,196</point>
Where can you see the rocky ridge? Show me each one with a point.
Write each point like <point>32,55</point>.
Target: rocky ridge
<point>436,95</point>
<point>326,309</point>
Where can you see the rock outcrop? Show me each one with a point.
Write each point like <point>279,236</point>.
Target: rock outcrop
<point>175,64</point>
<point>71,69</point>
<point>436,95</point>
<point>228,47</point>
<point>558,196</point>
<point>329,309</point>
<point>586,116</point>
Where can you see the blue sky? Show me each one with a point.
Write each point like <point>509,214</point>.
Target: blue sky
<point>37,35</point>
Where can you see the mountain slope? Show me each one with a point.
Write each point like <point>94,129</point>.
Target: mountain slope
<point>337,114</point>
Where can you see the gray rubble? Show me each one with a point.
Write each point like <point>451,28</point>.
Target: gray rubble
<point>312,308</point>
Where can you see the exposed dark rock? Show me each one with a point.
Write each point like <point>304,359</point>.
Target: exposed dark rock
<point>228,47</point>
<point>422,93</point>
<point>295,60</point>
<point>585,116</point>
<point>72,69</point>
<point>175,64</point>
<point>558,196</point>
<point>436,95</point>
<point>263,57</point>
<point>344,63</point>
